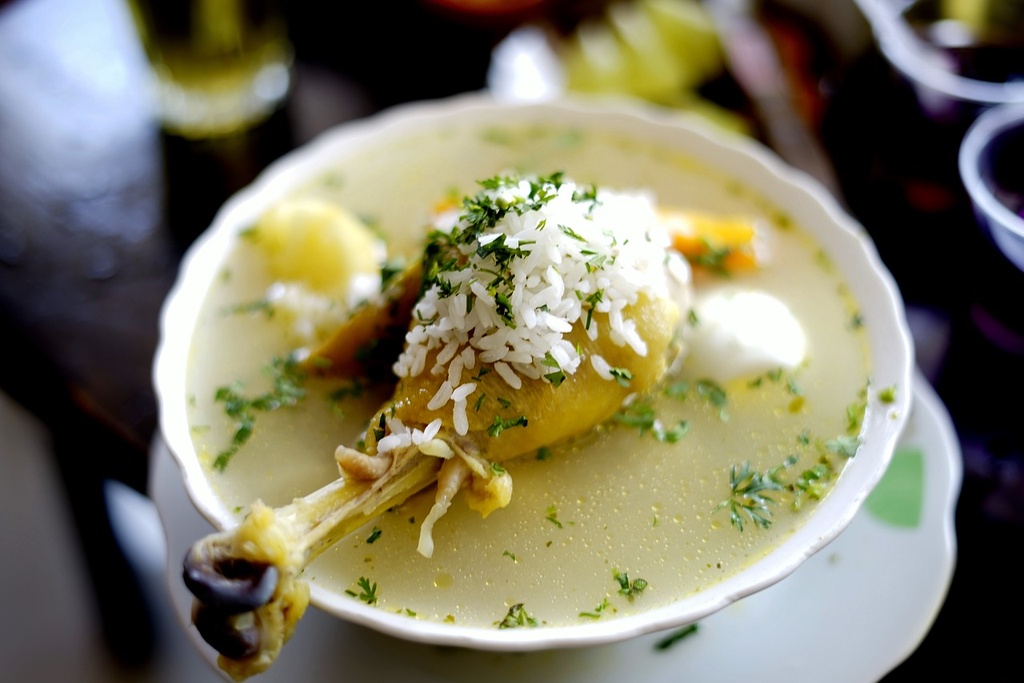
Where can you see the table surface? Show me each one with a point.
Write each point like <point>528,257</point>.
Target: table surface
<point>97,206</point>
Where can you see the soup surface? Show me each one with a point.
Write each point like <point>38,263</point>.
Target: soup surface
<point>632,516</point>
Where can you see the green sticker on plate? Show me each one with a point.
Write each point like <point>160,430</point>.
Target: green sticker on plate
<point>898,498</point>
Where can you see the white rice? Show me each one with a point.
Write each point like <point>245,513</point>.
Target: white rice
<point>579,263</point>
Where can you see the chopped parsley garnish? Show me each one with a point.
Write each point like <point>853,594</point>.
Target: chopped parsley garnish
<point>517,616</point>
<point>637,414</point>
<point>679,389</point>
<point>711,392</point>
<point>641,416</point>
<point>381,429</point>
<point>592,300</point>
<point>500,424</point>
<point>715,396</point>
<point>367,591</point>
<point>752,496</point>
<point>628,588</point>
<point>812,483</point>
<point>552,516</point>
<point>353,389</point>
<point>572,233</point>
<point>712,257</point>
<point>855,413</point>
<point>390,271</point>
<point>374,535</point>
<point>749,498</point>
<point>558,376</point>
<point>597,611</point>
<point>503,307</point>
<point>845,446</point>
<point>622,375</point>
<point>586,194</point>
<point>287,391</point>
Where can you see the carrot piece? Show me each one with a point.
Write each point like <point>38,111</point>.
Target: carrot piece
<point>718,242</point>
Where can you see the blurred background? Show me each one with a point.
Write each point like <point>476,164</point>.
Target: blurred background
<point>103,185</point>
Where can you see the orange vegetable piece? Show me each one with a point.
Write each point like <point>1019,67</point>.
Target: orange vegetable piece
<point>716,242</point>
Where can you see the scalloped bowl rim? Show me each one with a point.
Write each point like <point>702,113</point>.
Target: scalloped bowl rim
<point>749,162</point>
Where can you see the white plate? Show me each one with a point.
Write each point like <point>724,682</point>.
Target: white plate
<point>856,609</point>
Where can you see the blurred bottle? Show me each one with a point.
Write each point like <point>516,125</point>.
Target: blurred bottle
<point>219,66</point>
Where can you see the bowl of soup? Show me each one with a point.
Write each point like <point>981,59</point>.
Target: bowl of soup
<point>619,369</point>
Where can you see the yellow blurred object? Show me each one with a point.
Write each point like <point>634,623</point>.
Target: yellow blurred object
<point>594,60</point>
<point>720,242</point>
<point>658,50</point>
<point>970,13</point>
<point>319,244</point>
<point>687,27</point>
<point>218,66</point>
<point>654,67</point>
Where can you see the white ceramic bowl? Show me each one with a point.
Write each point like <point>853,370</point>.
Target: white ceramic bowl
<point>737,161</point>
<point>995,139</point>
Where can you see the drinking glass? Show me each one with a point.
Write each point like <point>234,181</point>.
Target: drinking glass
<point>218,66</point>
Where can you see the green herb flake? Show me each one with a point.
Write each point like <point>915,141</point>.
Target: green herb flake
<point>627,588</point>
<point>597,611</point>
<point>500,424</point>
<point>557,376</point>
<point>287,391</point>
<point>368,591</point>
<point>374,535</point>
<point>641,416</point>
<point>887,395</point>
<point>381,429</point>
<point>552,516</point>
<point>845,445</point>
<point>715,396</point>
<point>622,375</point>
<point>592,301</point>
<point>749,497</point>
<point>679,389</point>
<point>517,617</point>
<point>812,483</point>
